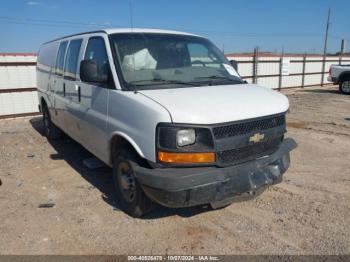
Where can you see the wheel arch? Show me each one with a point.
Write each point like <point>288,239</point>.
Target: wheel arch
<point>344,76</point>
<point>120,140</point>
<point>42,102</point>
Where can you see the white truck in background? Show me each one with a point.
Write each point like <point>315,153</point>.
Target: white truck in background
<point>340,74</point>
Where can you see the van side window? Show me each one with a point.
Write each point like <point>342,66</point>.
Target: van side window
<point>96,51</point>
<point>60,58</point>
<point>70,67</point>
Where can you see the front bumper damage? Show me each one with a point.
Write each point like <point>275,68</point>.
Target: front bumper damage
<point>185,187</point>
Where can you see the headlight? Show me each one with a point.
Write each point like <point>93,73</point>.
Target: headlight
<point>184,144</point>
<point>185,137</point>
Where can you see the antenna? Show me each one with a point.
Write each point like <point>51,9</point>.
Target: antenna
<point>131,15</point>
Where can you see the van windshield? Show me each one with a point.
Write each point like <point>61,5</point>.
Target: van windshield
<point>154,61</point>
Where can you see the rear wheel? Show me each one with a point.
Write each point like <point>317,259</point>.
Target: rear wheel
<point>51,131</point>
<point>344,87</point>
<point>131,198</point>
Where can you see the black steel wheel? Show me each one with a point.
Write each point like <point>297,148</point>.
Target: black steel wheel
<point>130,196</point>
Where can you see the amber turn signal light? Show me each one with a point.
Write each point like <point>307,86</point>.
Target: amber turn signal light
<point>186,158</point>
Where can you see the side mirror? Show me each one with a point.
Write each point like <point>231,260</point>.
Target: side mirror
<point>234,64</point>
<point>89,72</point>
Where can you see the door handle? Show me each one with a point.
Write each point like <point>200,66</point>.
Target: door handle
<point>79,94</point>
<point>64,89</point>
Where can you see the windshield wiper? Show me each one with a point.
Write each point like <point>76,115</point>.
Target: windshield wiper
<point>215,77</point>
<point>160,81</point>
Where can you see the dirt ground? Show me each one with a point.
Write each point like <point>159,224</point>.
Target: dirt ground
<point>308,213</point>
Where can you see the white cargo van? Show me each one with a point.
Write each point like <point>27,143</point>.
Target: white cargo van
<point>168,112</point>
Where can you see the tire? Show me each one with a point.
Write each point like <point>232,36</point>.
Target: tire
<point>50,130</point>
<point>130,196</point>
<point>344,87</point>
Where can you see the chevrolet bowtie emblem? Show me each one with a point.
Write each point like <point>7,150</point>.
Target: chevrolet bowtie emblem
<point>256,138</point>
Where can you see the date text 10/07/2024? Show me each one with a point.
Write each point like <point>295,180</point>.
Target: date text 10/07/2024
<point>172,258</point>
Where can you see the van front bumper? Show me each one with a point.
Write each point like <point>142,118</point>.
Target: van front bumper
<point>185,187</point>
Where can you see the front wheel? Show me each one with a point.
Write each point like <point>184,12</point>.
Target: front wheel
<point>131,198</point>
<point>344,87</point>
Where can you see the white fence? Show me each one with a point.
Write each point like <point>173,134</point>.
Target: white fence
<point>18,96</point>
<point>287,71</point>
<point>18,78</point>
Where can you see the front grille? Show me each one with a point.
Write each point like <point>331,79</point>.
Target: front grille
<point>247,127</point>
<point>250,152</point>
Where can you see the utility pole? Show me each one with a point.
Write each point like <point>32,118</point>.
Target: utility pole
<point>280,70</point>
<point>342,50</point>
<point>325,46</point>
<point>255,65</point>
<point>343,46</point>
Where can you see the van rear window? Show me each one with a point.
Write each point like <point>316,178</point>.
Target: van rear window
<point>46,59</point>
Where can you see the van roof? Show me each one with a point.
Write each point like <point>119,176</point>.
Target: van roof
<point>127,30</point>
<point>144,30</point>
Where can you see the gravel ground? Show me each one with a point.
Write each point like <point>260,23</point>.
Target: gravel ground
<point>308,213</point>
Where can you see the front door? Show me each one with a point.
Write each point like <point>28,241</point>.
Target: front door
<point>94,101</point>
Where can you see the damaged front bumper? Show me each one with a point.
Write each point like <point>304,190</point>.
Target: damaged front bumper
<point>185,187</point>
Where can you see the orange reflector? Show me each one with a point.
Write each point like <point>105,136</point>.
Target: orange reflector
<point>186,157</point>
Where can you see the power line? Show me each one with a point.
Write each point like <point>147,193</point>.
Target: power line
<point>229,34</point>
<point>45,22</point>
<point>337,37</point>
<point>254,34</point>
<point>77,24</point>
<point>47,25</point>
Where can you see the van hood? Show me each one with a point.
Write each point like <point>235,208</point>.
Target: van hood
<point>218,104</point>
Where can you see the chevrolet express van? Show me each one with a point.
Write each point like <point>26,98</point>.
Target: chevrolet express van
<point>168,112</point>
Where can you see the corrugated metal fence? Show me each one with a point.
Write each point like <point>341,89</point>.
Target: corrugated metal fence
<point>285,71</point>
<point>18,96</point>
<point>18,77</point>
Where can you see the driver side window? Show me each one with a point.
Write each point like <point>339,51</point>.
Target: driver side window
<point>96,51</point>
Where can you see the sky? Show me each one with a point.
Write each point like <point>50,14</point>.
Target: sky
<point>233,25</point>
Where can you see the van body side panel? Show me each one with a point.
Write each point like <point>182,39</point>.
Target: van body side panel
<point>89,103</point>
<point>92,114</point>
<point>70,80</point>
<point>45,69</point>
<point>137,116</point>
<point>58,89</point>
<point>58,102</point>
